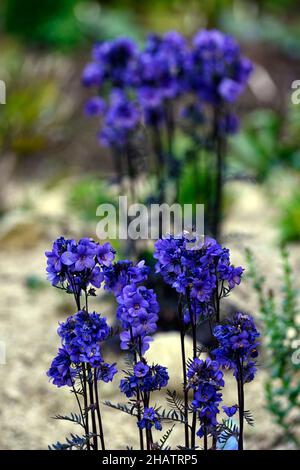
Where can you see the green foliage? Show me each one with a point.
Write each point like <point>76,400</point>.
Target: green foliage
<point>47,22</point>
<point>255,150</point>
<point>65,24</point>
<point>281,330</point>
<point>73,418</point>
<point>267,142</point>
<point>263,25</point>
<point>34,111</point>
<point>87,194</point>
<point>289,219</point>
<point>163,440</point>
<point>226,430</point>
<point>72,442</point>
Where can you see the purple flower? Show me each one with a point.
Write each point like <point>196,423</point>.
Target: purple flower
<point>150,419</point>
<point>92,75</point>
<point>217,71</point>
<point>238,344</point>
<point>206,379</point>
<point>122,113</point>
<point>95,106</point>
<point>82,335</point>
<point>230,410</point>
<point>61,371</point>
<point>117,60</point>
<point>230,90</point>
<point>140,369</point>
<point>229,124</point>
<point>105,254</point>
<point>106,372</point>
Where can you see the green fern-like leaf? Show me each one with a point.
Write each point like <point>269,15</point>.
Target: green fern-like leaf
<point>74,441</point>
<point>130,410</point>
<point>164,439</point>
<point>175,402</point>
<point>249,417</point>
<point>73,417</point>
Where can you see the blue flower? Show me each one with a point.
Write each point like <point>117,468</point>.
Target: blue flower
<point>230,410</point>
<point>150,419</point>
<point>206,379</point>
<point>140,369</point>
<point>61,371</point>
<point>217,70</point>
<point>92,75</point>
<point>238,344</point>
<point>95,106</point>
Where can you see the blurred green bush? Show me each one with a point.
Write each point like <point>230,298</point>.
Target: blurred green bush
<point>87,194</point>
<point>35,109</point>
<point>50,22</point>
<point>281,331</point>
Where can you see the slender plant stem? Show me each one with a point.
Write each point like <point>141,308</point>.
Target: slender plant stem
<point>205,439</point>
<point>194,335</point>
<point>85,401</point>
<point>101,433</point>
<point>183,359</point>
<point>84,381</point>
<point>117,164</point>
<point>218,141</point>
<point>138,398</point>
<point>170,126</point>
<point>160,163</point>
<point>240,386</point>
<point>80,407</point>
<point>92,404</point>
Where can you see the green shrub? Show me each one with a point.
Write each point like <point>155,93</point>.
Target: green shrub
<point>281,330</point>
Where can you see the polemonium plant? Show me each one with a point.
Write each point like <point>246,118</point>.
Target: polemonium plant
<point>202,274</point>
<point>137,313</point>
<point>77,268</point>
<point>171,87</point>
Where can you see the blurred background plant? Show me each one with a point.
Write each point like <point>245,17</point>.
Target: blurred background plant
<point>280,318</point>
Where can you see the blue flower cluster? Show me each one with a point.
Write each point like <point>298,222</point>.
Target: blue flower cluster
<point>81,337</point>
<point>122,273</point>
<point>198,269</point>
<point>137,85</point>
<point>146,379</point>
<point>138,308</point>
<point>75,266</point>
<point>61,370</point>
<point>206,379</point>
<point>149,420</point>
<point>237,349</point>
<point>218,71</point>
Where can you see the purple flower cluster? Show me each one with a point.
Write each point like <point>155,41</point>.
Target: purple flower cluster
<point>122,273</point>
<point>237,347</point>
<point>198,269</point>
<point>206,379</point>
<point>81,337</point>
<point>61,370</point>
<point>150,419</point>
<point>138,308</point>
<point>138,314</point>
<point>161,71</point>
<point>121,118</point>
<point>146,379</point>
<point>137,85</point>
<point>75,266</point>
<point>218,71</point>
<point>113,61</point>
